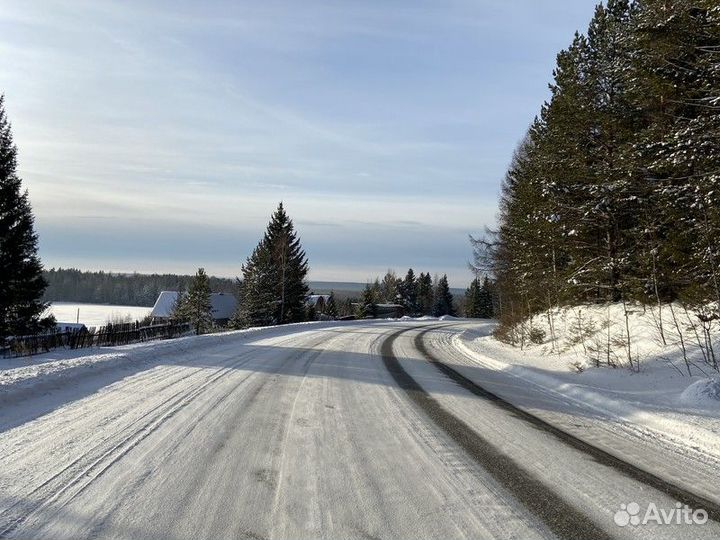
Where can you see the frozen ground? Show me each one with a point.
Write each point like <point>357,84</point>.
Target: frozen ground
<point>96,314</point>
<point>338,430</point>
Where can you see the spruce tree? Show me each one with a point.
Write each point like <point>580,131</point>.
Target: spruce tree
<point>331,309</point>
<point>273,289</point>
<point>473,299</point>
<point>256,300</point>
<point>573,196</point>
<point>367,306</point>
<point>21,280</point>
<point>425,293</point>
<point>443,303</point>
<point>486,309</point>
<point>408,291</point>
<point>389,287</point>
<point>195,307</point>
<point>614,195</point>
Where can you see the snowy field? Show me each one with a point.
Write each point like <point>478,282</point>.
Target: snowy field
<point>97,314</point>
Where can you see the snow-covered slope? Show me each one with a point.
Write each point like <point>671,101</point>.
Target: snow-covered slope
<point>656,394</point>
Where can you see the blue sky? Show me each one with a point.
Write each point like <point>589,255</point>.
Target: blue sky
<point>159,136</point>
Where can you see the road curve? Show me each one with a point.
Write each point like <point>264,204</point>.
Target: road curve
<point>305,432</point>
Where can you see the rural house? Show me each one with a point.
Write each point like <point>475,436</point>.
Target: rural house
<point>223,306</point>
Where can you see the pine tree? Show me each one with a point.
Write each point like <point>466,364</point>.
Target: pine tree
<point>443,304</point>
<point>574,193</point>
<point>676,83</point>
<point>195,307</point>
<point>614,195</point>
<point>21,281</point>
<point>274,289</point>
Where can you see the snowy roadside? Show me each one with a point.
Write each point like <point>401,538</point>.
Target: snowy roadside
<point>658,400</point>
<point>27,376</point>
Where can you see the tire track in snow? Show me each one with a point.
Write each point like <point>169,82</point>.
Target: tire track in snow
<point>687,461</point>
<point>561,518</point>
<point>188,429</point>
<point>168,378</point>
<point>77,476</point>
<point>601,456</point>
<point>280,473</point>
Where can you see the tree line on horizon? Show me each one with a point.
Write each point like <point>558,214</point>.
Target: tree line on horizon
<point>99,287</point>
<point>613,195</point>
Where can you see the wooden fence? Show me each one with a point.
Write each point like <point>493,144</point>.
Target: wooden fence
<point>104,336</point>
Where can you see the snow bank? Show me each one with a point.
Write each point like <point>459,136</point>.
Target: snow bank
<point>588,363</point>
<point>634,336</point>
<point>705,393</point>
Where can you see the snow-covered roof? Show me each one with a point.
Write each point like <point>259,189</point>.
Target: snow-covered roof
<point>223,305</point>
<point>164,304</point>
<point>313,299</point>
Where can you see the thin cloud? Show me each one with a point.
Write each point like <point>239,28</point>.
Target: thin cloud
<point>364,117</point>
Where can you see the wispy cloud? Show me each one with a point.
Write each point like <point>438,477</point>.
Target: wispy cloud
<point>180,116</point>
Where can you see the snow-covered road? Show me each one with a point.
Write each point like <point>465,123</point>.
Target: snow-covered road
<point>344,430</point>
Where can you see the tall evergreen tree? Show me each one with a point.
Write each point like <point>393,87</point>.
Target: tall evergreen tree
<point>389,287</point>
<point>574,196</point>
<point>486,308</point>
<point>676,82</point>
<point>21,281</point>
<point>478,299</point>
<point>368,305</point>
<point>273,289</point>
<point>425,293</point>
<point>472,299</point>
<point>195,307</point>
<point>408,291</point>
<point>443,304</point>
